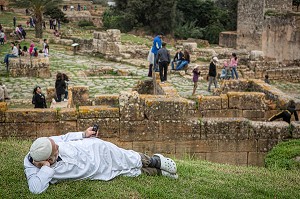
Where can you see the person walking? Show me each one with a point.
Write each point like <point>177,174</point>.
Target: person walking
<point>196,74</point>
<point>212,73</point>
<point>81,155</point>
<point>163,60</point>
<point>233,65</point>
<point>14,21</point>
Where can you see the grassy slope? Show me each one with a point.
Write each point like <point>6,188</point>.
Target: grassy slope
<point>198,179</point>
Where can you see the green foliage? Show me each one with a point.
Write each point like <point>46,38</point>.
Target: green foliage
<point>119,20</point>
<point>84,23</point>
<point>283,156</point>
<point>188,30</point>
<point>197,179</point>
<point>212,32</point>
<point>56,13</point>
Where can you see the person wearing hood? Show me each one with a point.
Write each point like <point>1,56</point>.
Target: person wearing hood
<point>31,49</point>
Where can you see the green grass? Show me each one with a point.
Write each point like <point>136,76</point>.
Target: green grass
<point>197,179</point>
<point>135,39</point>
<point>283,156</point>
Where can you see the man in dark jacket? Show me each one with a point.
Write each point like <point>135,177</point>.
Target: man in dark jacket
<point>38,98</point>
<point>163,59</point>
<point>212,73</point>
<point>177,58</point>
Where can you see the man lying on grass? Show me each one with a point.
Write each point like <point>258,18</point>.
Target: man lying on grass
<point>81,155</point>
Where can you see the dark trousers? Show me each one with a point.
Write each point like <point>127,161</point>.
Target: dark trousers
<point>151,166</point>
<point>163,70</point>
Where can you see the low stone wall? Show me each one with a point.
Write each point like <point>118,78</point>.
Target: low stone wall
<point>29,67</point>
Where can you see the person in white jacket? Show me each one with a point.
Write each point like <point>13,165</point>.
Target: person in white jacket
<point>81,155</point>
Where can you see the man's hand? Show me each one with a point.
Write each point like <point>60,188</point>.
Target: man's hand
<point>39,164</point>
<point>90,133</point>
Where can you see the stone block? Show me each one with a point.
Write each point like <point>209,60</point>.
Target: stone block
<point>246,100</point>
<point>29,67</point>
<point>67,114</point>
<point>110,100</point>
<point>256,159</point>
<point>224,101</point>
<point>146,147</point>
<point>295,129</point>
<point>210,103</point>
<point>265,145</point>
<point>166,147</point>
<point>253,114</point>
<point>190,156</point>
<point>97,112</point>
<point>31,115</point>
<point>50,94</point>
<point>20,130</point>
<point>3,106</point>
<point>131,107</point>
<point>222,113</point>
<point>80,95</point>
<point>108,127</point>
<point>139,130</point>
<point>67,126</point>
<point>233,158</point>
<point>237,146</point>
<point>198,146</point>
<point>47,129</point>
<point>269,130</point>
<point>191,46</point>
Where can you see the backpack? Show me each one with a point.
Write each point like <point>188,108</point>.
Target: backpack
<point>33,99</point>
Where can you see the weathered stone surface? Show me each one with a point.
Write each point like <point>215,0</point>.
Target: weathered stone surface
<point>67,126</point>
<point>108,127</point>
<point>29,67</point>
<point>222,113</point>
<point>166,147</point>
<point>80,95</point>
<point>31,115</point>
<point>47,129</point>
<point>199,146</point>
<point>111,100</point>
<point>228,39</point>
<point>67,114</point>
<point>265,145</point>
<point>237,145</point>
<point>254,114</point>
<point>98,112</point>
<point>210,103</point>
<point>296,129</point>
<point>236,158</point>
<point>246,100</point>
<point>269,130</point>
<point>146,147</point>
<point>20,130</point>
<point>256,159</point>
<point>131,107</point>
<point>139,130</point>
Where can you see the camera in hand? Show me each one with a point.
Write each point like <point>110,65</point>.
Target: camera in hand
<point>95,128</point>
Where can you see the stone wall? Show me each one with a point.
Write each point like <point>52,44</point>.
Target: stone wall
<point>281,37</point>
<point>279,5</point>
<point>108,42</point>
<point>29,67</point>
<point>250,24</point>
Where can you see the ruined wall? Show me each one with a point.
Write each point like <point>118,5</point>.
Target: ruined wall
<point>29,67</point>
<point>280,5</point>
<point>228,39</point>
<point>250,24</point>
<point>281,37</point>
<point>108,42</point>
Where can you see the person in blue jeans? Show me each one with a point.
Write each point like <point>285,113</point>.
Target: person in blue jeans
<point>177,58</point>
<point>14,53</point>
<point>157,44</point>
<point>185,61</point>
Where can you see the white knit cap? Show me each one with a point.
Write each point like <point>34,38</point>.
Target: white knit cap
<point>41,149</point>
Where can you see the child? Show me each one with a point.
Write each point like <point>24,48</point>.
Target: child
<point>196,74</point>
<point>46,51</point>
<point>233,65</point>
<point>267,79</point>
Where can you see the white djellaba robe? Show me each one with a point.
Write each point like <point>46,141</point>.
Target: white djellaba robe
<point>83,158</point>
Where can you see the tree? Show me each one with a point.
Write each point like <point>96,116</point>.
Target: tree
<point>296,3</point>
<point>38,7</point>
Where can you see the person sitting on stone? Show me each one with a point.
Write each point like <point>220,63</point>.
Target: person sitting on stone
<point>286,115</point>
<point>56,33</point>
<point>38,98</point>
<point>25,50</point>
<point>14,53</point>
<point>3,93</point>
<point>35,52</point>
<point>177,58</point>
<point>185,61</point>
<point>55,159</point>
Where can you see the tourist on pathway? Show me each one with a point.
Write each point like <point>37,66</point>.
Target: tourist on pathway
<point>163,60</point>
<point>233,65</point>
<point>3,93</point>
<point>14,53</point>
<point>185,60</point>
<point>212,73</point>
<point>81,155</point>
<point>2,35</point>
<point>14,21</point>
<point>60,87</point>
<point>286,115</point>
<point>196,74</point>
<point>38,98</point>
<point>178,58</point>
<point>157,44</point>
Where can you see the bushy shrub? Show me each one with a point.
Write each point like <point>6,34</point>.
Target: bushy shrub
<point>283,155</point>
<point>117,20</point>
<point>188,30</point>
<point>84,23</point>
